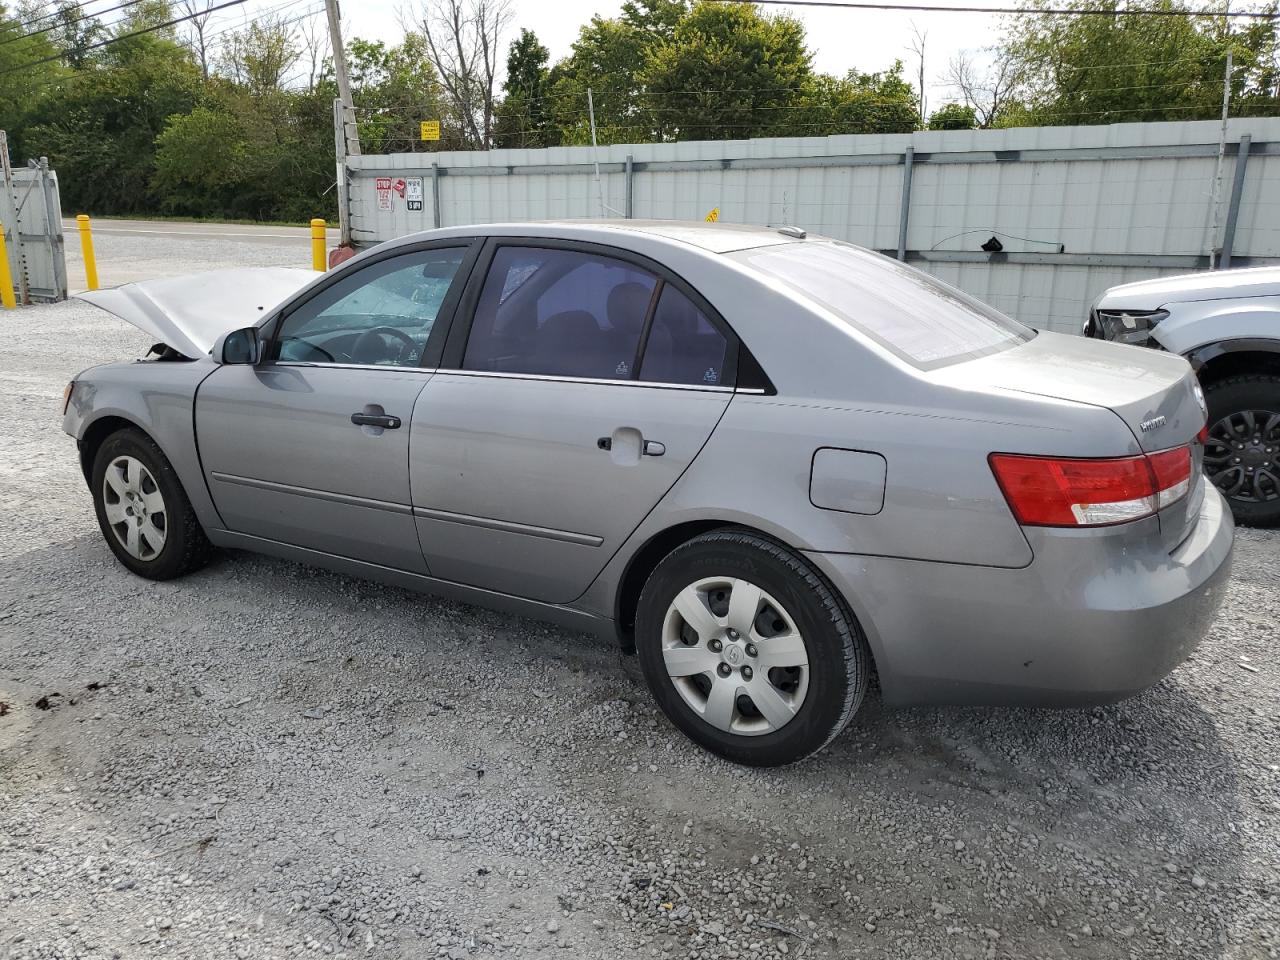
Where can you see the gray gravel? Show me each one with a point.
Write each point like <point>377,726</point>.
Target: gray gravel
<point>263,760</point>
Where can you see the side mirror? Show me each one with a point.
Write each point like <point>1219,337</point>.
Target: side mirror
<point>238,346</point>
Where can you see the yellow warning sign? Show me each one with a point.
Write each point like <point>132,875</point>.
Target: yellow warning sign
<point>430,129</point>
<point>713,216</point>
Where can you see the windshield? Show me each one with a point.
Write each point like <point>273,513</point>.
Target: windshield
<point>921,319</point>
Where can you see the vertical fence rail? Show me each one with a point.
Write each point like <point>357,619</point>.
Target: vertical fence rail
<point>1233,210</point>
<point>908,158</point>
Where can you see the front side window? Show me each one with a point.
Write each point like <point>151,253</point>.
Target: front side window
<point>919,318</point>
<point>381,314</point>
<point>559,313</point>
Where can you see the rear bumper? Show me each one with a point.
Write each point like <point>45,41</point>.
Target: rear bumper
<point>1093,619</point>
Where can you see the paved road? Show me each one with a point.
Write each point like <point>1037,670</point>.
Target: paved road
<point>130,250</point>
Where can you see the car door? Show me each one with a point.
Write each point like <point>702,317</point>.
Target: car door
<point>585,385</point>
<point>310,447</point>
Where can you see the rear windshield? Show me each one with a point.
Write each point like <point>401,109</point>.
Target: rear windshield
<point>921,319</point>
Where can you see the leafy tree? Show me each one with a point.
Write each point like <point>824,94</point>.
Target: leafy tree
<point>394,90</point>
<point>23,79</point>
<point>727,71</point>
<point>953,116</point>
<point>1128,67</point>
<point>99,126</point>
<point>260,56</point>
<point>882,102</point>
<point>605,59</point>
<point>523,119</point>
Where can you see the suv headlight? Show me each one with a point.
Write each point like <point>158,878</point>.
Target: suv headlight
<point>1128,326</point>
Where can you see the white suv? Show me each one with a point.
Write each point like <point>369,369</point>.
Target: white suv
<point>1227,323</point>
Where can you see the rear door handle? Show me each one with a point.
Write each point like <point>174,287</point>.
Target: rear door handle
<point>652,448</point>
<point>375,420</point>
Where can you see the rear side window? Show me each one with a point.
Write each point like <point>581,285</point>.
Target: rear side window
<point>559,313</point>
<point>683,345</point>
<point>921,319</point>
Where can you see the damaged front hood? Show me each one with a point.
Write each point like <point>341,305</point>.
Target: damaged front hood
<point>190,312</point>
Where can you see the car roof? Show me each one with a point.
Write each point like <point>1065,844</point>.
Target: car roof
<point>711,237</point>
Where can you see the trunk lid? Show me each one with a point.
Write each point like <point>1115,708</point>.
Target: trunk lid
<point>190,312</point>
<point>1154,393</point>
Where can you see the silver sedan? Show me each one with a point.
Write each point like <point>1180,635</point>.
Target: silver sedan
<point>773,465</point>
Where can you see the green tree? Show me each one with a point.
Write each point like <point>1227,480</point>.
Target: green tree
<point>99,125</point>
<point>523,119</point>
<point>24,80</point>
<point>604,59</point>
<point>882,102</point>
<point>953,116</point>
<point>1129,67</point>
<point>727,71</point>
<point>395,89</point>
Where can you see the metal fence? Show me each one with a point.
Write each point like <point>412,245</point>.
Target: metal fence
<point>1073,210</point>
<point>31,216</point>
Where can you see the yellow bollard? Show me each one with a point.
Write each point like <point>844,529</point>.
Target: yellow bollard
<point>317,245</point>
<point>86,244</point>
<point>6,278</point>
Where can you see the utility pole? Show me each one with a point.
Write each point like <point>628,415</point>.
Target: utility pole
<point>1217,176</point>
<point>595,150</point>
<point>340,63</point>
<point>346,134</point>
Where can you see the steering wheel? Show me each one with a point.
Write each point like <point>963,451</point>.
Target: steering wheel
<point>367,339</point>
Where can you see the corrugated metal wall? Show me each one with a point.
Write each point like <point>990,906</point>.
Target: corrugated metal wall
<point>1077,209</point>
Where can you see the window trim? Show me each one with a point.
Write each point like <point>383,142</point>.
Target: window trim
<point>430,357</point>
<point>451,359</point>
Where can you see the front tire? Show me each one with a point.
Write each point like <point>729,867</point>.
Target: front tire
<point>142,510</point>
<point>748,651</point>
<point>1242,455</point>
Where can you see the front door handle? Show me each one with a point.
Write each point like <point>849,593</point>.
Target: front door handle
<point>652,448</point>
<point>375,420</point>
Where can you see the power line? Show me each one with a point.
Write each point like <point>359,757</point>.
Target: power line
<point>62,24</point>
<point>53,13</point>
<point>1041,11</point>
<point>125,36</point>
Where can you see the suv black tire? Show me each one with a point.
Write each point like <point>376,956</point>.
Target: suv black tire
<point>186,548</point>
<point>839,662</point>
<point>1249,392</point>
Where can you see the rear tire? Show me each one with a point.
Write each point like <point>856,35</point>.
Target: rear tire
<point>1242,456</point>
<point>142,510</point>
<point>747,649</point>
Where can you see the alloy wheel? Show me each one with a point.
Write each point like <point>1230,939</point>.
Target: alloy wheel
<point>735,655</point>
<point>134,507</point>
<point>1242,455</point>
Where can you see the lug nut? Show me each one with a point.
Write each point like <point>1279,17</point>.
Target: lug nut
<point>746,673</point>
<point>724,670</point>
<point>716,646</point>
<point>732,633</point>
<point>751,650</point>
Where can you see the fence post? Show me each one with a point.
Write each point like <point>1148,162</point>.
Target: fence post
<point>630,171</point>
<point>435,194</point>
<point>340,162</point>
<point>1233,209</point>
<point>908,157</point>
<point>317,245</point>
<point>6,278</point>
<point>53,220</point>
<point>86,245</point>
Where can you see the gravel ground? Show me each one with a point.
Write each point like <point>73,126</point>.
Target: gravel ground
<point>263,760</point>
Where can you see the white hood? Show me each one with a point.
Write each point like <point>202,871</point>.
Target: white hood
<point>1215,285</point>
<point>190,312</point>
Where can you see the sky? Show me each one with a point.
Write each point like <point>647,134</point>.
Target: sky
<point>868,40</point>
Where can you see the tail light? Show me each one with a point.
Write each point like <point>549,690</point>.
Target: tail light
<point>1060,492</point>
